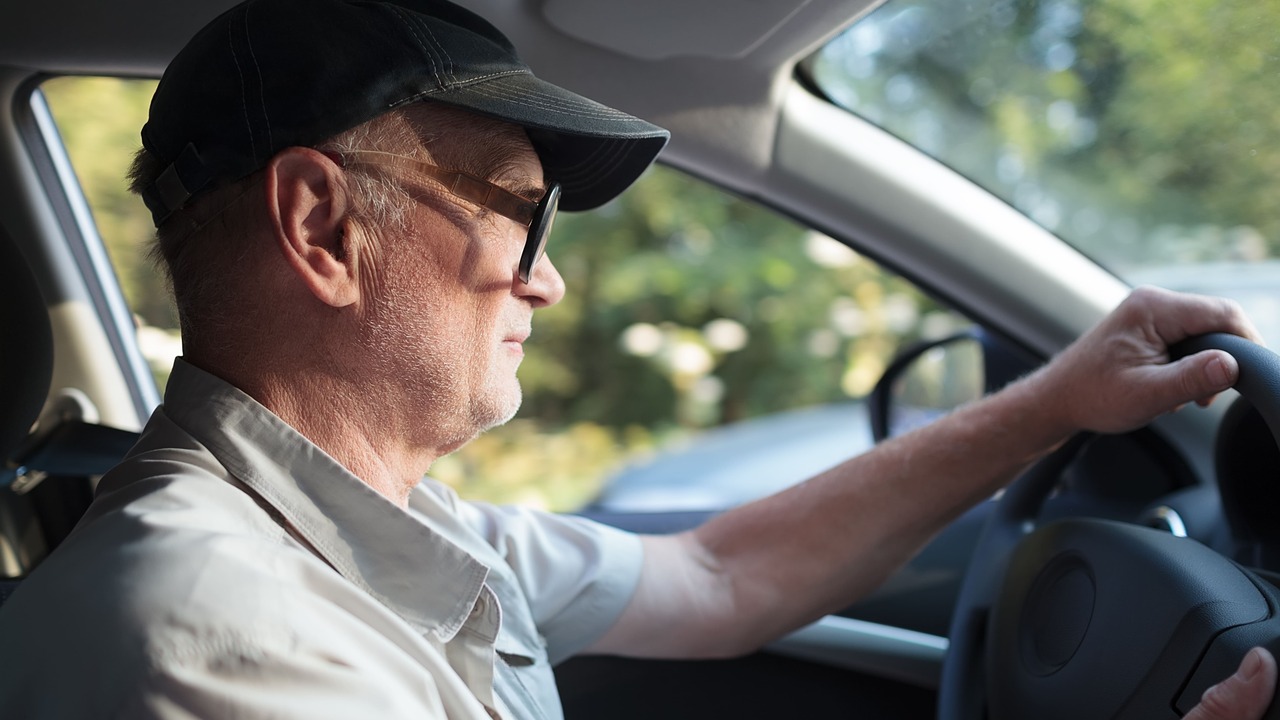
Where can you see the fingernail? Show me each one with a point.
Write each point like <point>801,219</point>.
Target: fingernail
<point>1251,665</point>
<point>1219,373</point>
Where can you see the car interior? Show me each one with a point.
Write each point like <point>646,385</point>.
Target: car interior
<point>730,82</point>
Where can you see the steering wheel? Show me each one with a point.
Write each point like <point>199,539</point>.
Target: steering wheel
<point>1086,618</point>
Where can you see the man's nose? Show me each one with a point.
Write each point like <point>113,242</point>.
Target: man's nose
<point>545,286</point>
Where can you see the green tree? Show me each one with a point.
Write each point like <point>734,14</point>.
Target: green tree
<point>1127,126</point>
<point>100,120</point>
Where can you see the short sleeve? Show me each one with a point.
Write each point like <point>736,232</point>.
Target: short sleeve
<point>577,574</point>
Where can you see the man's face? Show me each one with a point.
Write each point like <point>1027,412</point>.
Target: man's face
<point>448,302</point>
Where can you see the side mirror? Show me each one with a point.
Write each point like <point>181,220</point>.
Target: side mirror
<point>934,377</point>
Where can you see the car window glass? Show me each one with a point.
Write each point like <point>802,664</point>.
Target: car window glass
<point>1136,131</point>
<point>708,350</point>
<point>99,120</point>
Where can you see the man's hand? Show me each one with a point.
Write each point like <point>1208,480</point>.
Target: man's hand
<point>1118,376</point>
<point>1243,696</point>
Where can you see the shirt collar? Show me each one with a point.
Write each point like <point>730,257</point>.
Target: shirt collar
<point>416,572</point>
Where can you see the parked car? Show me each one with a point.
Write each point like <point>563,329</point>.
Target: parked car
<point>1018,166</point>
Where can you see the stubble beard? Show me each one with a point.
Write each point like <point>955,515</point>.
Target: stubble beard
<point>437,382</point>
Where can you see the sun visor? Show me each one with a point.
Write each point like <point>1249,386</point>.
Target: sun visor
<point>660,29</point>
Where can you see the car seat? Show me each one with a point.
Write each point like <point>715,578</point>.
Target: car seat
<point>60,446</point>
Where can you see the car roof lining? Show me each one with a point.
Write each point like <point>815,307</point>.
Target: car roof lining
<point>105,37</point>
<point>744,60</point>
<point>660,29</point>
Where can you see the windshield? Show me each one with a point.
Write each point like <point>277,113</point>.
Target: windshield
<point>1145,134</point>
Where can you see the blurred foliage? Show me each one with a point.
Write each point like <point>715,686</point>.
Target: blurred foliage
<point>99,120</point>
<point>681,259</point>
<point>533,463</point>
<point>687,308</point>
<point>1142,132</point>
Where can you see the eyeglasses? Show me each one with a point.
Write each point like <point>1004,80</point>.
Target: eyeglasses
<point>538,217</point>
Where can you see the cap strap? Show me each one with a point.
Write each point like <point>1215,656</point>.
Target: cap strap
<point>171,190</point>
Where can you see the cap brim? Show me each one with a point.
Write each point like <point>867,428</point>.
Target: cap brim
<point>593,151</point>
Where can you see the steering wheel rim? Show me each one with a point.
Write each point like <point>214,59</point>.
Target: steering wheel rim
<point>963,692</point>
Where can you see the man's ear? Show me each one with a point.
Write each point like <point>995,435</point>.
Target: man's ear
<point>307,205</point>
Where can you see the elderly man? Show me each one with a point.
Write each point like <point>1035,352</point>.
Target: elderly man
<point>352,200</point>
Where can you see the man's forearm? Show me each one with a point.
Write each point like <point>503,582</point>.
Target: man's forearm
<point>761,570</point>
<point>758,571</point>
<point>788,559</point>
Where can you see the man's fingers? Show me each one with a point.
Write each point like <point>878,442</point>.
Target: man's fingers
<point>1177,316</point>
<point>1208,373</point>
<point>1119,376</point>
<point>1243,696</point>
<point>1196,378</point>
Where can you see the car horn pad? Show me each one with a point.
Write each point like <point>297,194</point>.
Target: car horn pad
<point>1081,628</point>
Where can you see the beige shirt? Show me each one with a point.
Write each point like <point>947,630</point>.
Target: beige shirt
<point>230,568</point>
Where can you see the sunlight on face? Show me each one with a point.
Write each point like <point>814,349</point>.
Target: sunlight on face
<point>452,316</point>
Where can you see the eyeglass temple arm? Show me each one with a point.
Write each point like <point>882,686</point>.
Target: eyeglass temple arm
<point>480,192</point>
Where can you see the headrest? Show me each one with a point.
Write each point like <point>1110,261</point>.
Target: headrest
<point>26,348</point>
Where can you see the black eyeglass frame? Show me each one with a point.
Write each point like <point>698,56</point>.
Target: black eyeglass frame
<point>537,216</point>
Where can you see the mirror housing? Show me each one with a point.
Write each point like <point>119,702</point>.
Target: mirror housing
<point>943,374</point>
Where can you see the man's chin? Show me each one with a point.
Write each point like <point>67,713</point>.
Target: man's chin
<point>500,411</point>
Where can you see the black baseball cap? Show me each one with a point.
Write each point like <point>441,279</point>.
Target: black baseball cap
<point>271,74</point>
